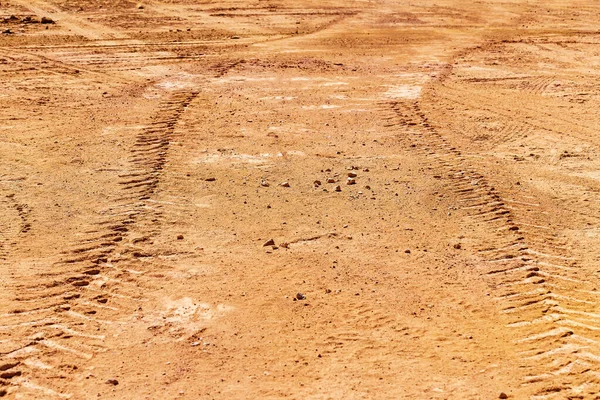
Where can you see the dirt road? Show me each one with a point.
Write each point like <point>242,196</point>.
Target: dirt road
<point>307,200</point>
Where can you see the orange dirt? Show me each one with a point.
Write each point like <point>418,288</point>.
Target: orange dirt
<point>427,172</point>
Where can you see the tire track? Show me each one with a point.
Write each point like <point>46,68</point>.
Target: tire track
<point>547,296</point>
<point>65,318</point>
<point>14,223</point>
<point>528,116</point>
<point>534,130</point>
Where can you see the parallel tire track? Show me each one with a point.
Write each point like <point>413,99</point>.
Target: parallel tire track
<point>65,318</point>
<point>545,293</point>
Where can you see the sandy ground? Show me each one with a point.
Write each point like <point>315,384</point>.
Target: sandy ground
<point>299,199</point>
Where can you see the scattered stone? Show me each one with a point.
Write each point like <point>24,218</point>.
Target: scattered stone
<point>113,382</point>
<point>47,20</point>
<point>503,396</point>
<point>368,187</point>
<point>457,246</point>
<point>284,184</point>
<point>7,32</point>
<point>269,242</point>
<point>139,6</point>
<point>351,181</point>
<point>300,296</point>
<point>407,251</point>
<point>327,291</point>
<point>235,37</point>
<point>352,175</point>
<point>179,237</point>
<point>264,183</point>
<point>212,179</point>
<point>338,188</point>
<point>80,283</point>
<point>330,180</point>
<point>285,245</point>
<point>317,183</point>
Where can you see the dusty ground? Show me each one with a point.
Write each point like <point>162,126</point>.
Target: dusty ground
<point>149,151</point>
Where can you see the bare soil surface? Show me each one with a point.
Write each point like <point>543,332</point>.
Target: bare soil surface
<point>299,199</point>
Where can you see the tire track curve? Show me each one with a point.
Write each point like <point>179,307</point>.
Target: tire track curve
<point>546,295</point>
<point>65,318</point>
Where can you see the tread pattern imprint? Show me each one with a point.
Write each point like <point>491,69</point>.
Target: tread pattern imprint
<point>513,163</point>
<point>70,314</point>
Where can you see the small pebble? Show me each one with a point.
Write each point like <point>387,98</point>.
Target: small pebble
<point>352,175</point>
<point>210,179</point>
<point>113,382</point>
<point>269,242</point>
<point>330,180</point>
<point>503,396</point>
<point>338,188</point>
<point>284,184</point>
<point>300,296</point>
<point>179,237</point>
<point>351,181</point>
<point>264,183</point>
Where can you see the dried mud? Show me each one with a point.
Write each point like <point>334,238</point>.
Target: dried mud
<point>427,172</point>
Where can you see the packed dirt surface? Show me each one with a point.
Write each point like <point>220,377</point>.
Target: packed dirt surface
<point>305,199</point>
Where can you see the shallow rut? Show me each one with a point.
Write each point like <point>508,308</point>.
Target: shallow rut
<point>66,316</point>
<point>547,295</point>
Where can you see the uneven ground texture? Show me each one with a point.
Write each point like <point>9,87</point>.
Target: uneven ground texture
<point>150,150</point>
